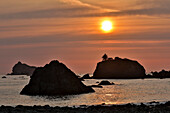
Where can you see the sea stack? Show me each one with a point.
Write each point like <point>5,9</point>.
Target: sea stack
<point>22,69</point>
<point>118,68</point>
<point>55,79</point>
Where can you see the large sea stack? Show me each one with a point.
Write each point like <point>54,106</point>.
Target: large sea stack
<point>22,69</point>
<point>54,79</point>
<point>119,68</point>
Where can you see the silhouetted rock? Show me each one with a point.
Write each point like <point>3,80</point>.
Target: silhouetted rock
<point>96,86</point>
<point>54,79</point>
<point>119,69</point>
<point>78,76</point>
<point>86,76</point>
<point>102,108</point>
<point>22,69</point>
<point>4,77</point>
<point>106,83</point>
<point>162,74</point>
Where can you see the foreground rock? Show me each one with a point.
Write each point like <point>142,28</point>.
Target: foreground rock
<point>22,69</point>
<point>106,83</point>
<point>128,108</point>
<point>54,79</point>
<point>119,69</point>
<point>4,77</point>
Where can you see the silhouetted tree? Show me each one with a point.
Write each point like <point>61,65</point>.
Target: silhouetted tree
<point>105,57</point>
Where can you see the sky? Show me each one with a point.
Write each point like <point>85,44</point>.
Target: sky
<point>38,31</point>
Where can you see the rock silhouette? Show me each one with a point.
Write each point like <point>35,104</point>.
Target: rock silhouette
<point>55,79</point>
<point>96,86</point>
<point>106,83</point>
<point>22,69</point>
<point>4,77</point>
<point>162,74</point>
<point>86,76</point>
<point>119,68</point>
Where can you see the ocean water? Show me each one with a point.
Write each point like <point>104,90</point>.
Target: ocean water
<point>124,91</point>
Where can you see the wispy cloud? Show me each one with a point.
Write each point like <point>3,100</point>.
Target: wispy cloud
<point>64,8</point>
<point>76,8</point>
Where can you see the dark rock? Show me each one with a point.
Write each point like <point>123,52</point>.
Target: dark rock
<point>96,86</point>
<point>54,79</point>
<point>153,102</point>
<point>86,76</point>
<point>103,108</point>
<point>119,69</point>
<point>106,83</point>
<point>167,103</point>
<point>80,77</point>
<point>162,74</point>
<point>4,77</point>
<point>19,106</point>
<point>22,69</point>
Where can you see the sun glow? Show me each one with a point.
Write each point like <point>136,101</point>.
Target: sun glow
<point>107,26</point>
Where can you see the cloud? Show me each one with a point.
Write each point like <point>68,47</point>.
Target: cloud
<point>148,11</point>
<point>79,3</point>
<point>76,8</point>
<point>88,40</point>
<point>76,12</point>
<point>64,8</point>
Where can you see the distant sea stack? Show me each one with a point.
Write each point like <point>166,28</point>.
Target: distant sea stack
<point>54,79</point>
<point>118,68</point>
<point>161,74</point>
<point>22,69</point>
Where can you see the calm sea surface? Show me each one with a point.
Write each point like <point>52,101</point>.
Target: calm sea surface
<point>124,91</point>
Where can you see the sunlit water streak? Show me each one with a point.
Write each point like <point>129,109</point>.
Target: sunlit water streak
<point>124,91</point>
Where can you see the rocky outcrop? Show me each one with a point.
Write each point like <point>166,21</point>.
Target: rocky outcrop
<point>96,86</point>
<point>161,74</point>
<point>106,83</point>
<point>119,69</point>
<point>4,77</point>
<point>55,79</point>
<point>22,69</point>
<point>86,76</point>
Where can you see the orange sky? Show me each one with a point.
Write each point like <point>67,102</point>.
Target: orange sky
<point>36,32</point>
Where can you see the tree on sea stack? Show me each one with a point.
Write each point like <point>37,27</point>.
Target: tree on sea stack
<point>105,57</point>
<point>118,68</point>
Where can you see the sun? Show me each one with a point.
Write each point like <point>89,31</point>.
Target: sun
<point>107,26</point>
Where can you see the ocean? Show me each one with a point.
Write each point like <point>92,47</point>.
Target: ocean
<point>124,91</point>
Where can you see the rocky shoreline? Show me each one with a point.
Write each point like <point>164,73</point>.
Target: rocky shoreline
<point>155,107</point>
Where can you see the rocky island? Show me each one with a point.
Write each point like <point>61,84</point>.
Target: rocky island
<point>161,74</point>
<point>22,69</point>
<point>54,79</point>
<point>118,68</point>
